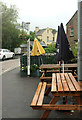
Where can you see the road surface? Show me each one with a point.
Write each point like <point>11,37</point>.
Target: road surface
<point>8,65</point>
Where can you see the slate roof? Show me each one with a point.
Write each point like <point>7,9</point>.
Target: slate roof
<point>40,32</point>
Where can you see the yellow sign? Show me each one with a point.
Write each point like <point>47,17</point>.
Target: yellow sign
<point>37,48</point>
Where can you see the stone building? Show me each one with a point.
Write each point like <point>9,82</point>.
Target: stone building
<point>46,35</point>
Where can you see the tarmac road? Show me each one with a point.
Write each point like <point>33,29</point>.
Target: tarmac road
<point>8,65</point>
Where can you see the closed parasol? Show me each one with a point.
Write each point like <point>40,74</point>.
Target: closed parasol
<point>37,48</point>
<point>64,52</point>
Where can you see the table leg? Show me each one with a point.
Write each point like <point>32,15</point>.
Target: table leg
<point>78,100</point>
<point>45,72</point>
<point>73,71</point>
<point>47,91</point>
<point>64,99</point>
<point>45,115</point>
<point>47,112</point>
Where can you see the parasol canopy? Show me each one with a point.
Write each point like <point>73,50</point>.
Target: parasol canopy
<point>37,48</point>
<point>64,51</point>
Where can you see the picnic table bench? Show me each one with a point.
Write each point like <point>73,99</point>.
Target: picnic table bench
<point>39,95</point>
<point>59,87</point>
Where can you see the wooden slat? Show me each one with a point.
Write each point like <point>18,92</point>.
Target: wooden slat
<point>53,88</point>
<point>65,86</point>
<point>50,71</point>
<point>55,71</point>
<point>58,94</point>
<point>58,77</point>
<point>35,99</point>
<point>41,97</point>
<point>59,84</point>
<point>75,83</point>
<point>71,86</point>
<point>64,83</point>
<point>58,107</point>
<point>62,76</point>
<point>45,78</point>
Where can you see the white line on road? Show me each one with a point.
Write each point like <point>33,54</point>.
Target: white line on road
<point>11,68</point>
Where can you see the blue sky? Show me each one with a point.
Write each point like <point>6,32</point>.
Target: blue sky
<point>44,13</point>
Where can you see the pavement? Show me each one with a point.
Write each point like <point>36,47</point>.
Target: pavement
<point>17,95</point>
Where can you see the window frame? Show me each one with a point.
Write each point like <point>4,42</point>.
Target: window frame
<point>71,31</point>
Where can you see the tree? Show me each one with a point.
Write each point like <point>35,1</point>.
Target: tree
<point>10,34</point>
<point>32,35</point>
<point>54,30</point>
<point>25,37</point>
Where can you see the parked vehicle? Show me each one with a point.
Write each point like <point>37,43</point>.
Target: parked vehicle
<point>5,53</point>
<point>17,51</point>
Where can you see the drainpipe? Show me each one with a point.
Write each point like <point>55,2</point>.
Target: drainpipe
<point>79,40</point>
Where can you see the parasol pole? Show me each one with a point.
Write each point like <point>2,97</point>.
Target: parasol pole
<point>59,66</point>
<point>63,68</point>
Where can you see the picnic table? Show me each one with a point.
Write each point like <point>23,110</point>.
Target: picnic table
<point>47,68</point>
<point>59,87</point>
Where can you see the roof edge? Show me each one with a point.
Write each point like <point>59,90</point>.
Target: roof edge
<point>72,17</point>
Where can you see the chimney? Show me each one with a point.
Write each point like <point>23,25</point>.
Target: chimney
<point>36,29</point>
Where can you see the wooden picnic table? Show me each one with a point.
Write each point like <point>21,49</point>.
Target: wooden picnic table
<point>50,66</point>
<point>47,68</point>
<point>59,87</point>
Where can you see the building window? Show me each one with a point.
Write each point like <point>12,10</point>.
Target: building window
<point>71,31</point>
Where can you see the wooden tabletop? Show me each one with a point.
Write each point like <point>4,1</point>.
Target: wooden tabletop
<point>49,66</point>
<point>69,84</point>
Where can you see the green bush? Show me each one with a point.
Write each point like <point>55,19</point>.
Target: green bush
<point>75,51</point>
<point>34,67</point>
<point>51,48</point>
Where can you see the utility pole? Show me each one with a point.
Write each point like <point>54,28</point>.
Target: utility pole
<point>79,40</point>
<point>26,26</point>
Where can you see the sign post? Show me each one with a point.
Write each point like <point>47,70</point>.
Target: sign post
<point>27,27</point>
